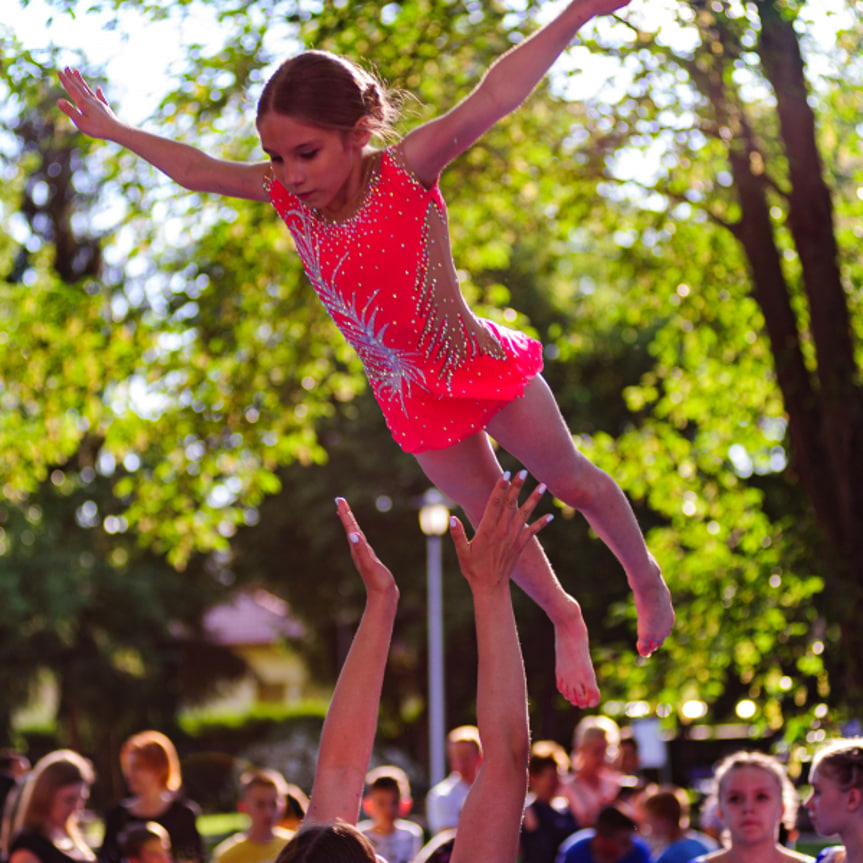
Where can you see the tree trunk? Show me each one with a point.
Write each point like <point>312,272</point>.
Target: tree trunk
<point>826,431</point>
<point>824,405</point>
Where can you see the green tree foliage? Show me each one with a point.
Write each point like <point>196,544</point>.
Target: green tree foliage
<point>80,596</point>
<point>755,359</point>
<point>650,228</point>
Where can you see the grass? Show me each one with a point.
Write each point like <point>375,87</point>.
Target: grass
<point>811,844</point>
<point>212,827</point>
<point>194,722</point>
<point>221,824</point>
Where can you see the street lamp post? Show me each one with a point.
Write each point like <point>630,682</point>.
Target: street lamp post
<point>434,520</point>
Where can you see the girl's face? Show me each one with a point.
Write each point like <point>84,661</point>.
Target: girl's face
<point>545,783</point>
<point>317,165</point>
<point>826,804</point>
<point>750,802</point>
<point>68,800</point>
<point>593,753</point>
<point>140,777</point>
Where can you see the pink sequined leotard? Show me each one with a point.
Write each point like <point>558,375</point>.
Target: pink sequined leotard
<point>386,276</point>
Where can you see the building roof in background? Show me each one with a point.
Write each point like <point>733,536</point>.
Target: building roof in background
<point>251,617</point>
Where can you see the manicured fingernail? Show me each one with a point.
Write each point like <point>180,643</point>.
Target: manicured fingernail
<point>522,474</point>
<point>506,475</point>
<point>354,538</point>
<point>549,518</point>
<point>339,500</point>
<point>453,521</point>
<point>541,488</point>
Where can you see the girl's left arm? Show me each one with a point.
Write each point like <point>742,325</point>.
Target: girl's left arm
<point>506,84</point>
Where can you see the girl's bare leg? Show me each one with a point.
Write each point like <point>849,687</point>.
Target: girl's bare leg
<point>467,472</point>
<point>533,430</point>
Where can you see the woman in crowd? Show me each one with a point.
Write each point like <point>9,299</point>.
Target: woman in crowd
<point>152,772</point>
<point>594,782</point>
<point>43,825</point>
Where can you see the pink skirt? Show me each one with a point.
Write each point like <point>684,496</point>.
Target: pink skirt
<point>436,416</point>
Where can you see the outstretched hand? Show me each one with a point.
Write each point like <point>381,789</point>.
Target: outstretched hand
<point>88,109</point>
<point>375,575</point>
<point>488,559</point>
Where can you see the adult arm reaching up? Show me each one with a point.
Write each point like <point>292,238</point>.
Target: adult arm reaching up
<point>349,729</point>
<point>489,824</point>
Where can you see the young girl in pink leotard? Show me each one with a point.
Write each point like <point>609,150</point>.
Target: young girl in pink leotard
<point>371,229</point>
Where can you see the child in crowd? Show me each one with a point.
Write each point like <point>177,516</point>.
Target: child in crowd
<point>151,768</point>
<point>263,794</point>
<point>13,768</point>
<point>296,805</point>
<point>593,782</point>
<point>445,800</point>
<point>665,825</point>
<point>548,820</point>
<point>387,801</point>
<point>613,839</point>
<point>755,796</point>
<point>146,842</point>
<point>371,229</point>
<point>835,803</point>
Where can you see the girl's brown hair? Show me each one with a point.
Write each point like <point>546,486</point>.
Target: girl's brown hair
<point>31,809</point>
<point>323,89</point>
<point>133,839</point>
<point>842,761</point>
<point>328,843</point>
<point>155,751</point>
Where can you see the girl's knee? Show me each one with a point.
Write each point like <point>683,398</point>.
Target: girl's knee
<point>582,487</point>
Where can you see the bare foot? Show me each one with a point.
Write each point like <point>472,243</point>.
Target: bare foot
<point>576,679</point>
<point>655,612</point>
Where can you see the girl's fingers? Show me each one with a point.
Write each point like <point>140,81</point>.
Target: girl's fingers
<point>78,88</point>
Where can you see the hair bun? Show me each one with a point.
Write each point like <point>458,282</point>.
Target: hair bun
<point>326,90</point>
<point>372,98</point>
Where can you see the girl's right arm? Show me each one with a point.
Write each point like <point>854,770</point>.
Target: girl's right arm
<point>508,82</point>
<point>191,168</point>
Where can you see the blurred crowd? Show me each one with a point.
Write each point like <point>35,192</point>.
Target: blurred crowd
<point>592,804</point>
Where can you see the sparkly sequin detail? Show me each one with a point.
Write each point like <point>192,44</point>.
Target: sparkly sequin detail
<point>385,275</point>
<point>392,372</point>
